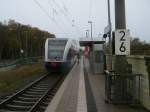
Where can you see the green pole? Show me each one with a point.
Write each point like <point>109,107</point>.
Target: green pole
<point>120,61</point>
<point>120,64</point>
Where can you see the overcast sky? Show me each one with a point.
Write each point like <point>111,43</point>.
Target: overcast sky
<point>69,18</point>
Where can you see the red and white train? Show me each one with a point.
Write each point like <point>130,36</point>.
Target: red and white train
<point>60,54</point>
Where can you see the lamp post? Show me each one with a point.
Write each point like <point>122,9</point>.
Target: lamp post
<point>109,34</point>
<point>109,16</point>
<point>92,57</point>
<point>26,37</point>
<point>21,53</point>
<point>90,22</point>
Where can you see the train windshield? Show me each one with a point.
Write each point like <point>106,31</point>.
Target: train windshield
<point>56,49</point>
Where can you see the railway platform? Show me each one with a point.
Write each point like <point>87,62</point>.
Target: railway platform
<point>83,91</point>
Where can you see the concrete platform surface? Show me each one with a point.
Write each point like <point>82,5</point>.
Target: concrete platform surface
<point>83,91</point>
<point>71,96</point>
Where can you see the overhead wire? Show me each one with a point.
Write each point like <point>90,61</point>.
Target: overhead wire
<point>51,5</point>
<point>54,3</point>
<point>66,13</point>
<point>60,9</point>
<point>40,6</point>
<point>69,14</point>
<point>43,9</point>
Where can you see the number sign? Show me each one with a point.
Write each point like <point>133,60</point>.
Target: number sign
<point>122,42</point>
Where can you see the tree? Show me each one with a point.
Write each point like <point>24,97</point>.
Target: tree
<point>15,36</point>
<point>139,47</point>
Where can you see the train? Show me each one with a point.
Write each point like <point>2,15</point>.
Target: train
<point>60,54</point>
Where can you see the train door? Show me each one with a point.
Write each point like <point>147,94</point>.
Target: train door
<point>70,57</point>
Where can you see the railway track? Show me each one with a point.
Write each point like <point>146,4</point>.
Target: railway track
<point>35,97</point>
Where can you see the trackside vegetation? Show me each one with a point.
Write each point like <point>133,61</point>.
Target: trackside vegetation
<point>15,79</point>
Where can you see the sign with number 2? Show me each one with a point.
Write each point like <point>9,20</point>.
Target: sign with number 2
<point>122,42</point>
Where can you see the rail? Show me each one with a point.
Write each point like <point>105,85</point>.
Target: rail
<point>35,96</point>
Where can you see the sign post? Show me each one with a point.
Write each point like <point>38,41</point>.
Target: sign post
<point>122,42</point>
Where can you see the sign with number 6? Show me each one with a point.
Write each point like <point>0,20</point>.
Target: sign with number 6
<point>122,42</point>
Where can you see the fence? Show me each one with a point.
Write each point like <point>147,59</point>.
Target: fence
<point>122,88</point>
<point>19,62</point>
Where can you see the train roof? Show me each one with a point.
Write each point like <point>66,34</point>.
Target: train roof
<point>57,38</point>
<point>62,39</point>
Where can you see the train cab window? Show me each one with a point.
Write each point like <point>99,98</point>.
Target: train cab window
<point>56,49</point>
<point>55,54</point>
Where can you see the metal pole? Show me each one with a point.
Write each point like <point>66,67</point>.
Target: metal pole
<point>26,45</point>
<point>120,62</point>
<point>109,35</point>
<point>20,45</point>
<point>90,22</point>
<point>120,17</point>
<point>91,32</point>
<point>120,23</point>
<point>109,16</point>
<point>92,47</point>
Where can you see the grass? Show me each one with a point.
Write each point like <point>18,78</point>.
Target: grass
<point>14,79</point>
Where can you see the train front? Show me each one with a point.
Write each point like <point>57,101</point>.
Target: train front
<point>54,51</point>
